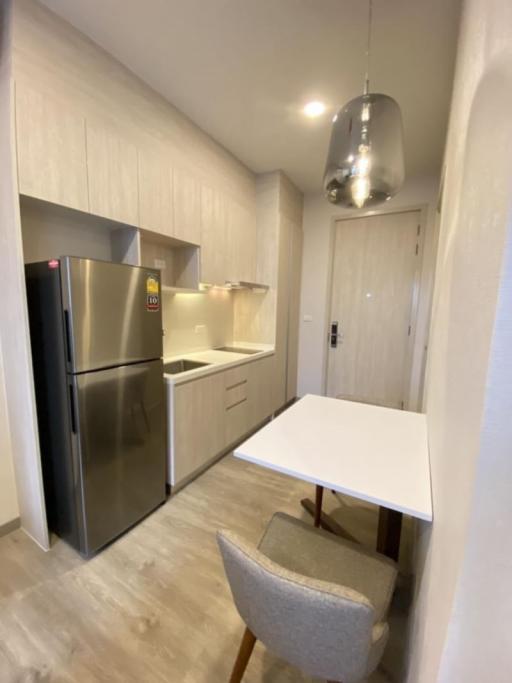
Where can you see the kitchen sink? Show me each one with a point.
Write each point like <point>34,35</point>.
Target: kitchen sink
<point>236,349</point>
<point>182,365</point>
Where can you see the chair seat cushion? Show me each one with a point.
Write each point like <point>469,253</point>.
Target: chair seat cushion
<point>300,547</point>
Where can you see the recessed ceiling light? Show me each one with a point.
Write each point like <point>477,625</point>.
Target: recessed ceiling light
<point>314,108</point>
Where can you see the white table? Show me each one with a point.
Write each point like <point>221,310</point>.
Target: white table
<point>376,454</point>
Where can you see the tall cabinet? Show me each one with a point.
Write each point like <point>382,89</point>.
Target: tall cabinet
<point>274,317</point>
<point>288,297</point>
<point>294,239</point>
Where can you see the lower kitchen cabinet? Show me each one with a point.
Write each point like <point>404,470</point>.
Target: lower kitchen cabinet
<point>197,430</point>
<point>261,393</point>
<point>210,414</point>
<point>236,402</point>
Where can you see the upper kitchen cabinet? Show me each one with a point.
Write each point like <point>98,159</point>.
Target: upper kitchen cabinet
<point>112,171</point>
<point>241,249</point>
<point>186,206</point>
<point>155,191</point>
<point>51,146</point>
<point>213,236</point>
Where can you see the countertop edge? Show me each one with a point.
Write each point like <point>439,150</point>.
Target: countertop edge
<point>191,375</point>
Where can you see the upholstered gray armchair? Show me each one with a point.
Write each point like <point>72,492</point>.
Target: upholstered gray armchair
<point>312,598</point>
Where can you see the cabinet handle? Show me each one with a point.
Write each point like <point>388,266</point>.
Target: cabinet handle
<point>234,405</point>
<point>237,384</point>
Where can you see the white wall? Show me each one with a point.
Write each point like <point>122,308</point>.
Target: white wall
<point>479,642</point>
<point>8,497</point>
<point>461,620</point>
<point>316,263</point>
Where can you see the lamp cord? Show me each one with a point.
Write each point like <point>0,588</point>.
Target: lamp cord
<point>368,45</point>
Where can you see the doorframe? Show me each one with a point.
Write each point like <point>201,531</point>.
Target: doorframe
<point>414,380</point>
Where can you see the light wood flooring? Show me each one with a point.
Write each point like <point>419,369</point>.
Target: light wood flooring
<point>155,605</point>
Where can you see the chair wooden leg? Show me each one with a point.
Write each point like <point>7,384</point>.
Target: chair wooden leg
<point>319,494</point>
<point>244,654</point>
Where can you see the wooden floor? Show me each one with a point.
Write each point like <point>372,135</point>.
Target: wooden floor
<point>155,605</point>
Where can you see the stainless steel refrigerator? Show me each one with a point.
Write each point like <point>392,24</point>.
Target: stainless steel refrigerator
<point>96,334</point>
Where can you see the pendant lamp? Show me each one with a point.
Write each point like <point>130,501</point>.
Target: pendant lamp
<point>365,163</point>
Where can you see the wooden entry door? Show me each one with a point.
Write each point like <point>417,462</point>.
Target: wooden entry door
<point>376,267</point>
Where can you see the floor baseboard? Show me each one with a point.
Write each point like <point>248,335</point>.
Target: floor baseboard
<point>9,526</point>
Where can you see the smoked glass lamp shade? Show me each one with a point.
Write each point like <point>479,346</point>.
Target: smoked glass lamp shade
<point>365,164</point>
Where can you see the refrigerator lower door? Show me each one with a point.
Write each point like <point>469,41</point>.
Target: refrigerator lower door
<point>112,313</point>
<point>120,417</point>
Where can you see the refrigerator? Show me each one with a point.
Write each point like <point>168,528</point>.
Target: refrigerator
<point>96,337</point>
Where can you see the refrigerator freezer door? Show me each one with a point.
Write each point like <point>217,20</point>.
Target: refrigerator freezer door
<point>122,437</point>
<point>112,313</point>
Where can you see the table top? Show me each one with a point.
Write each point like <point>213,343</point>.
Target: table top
<point>376,454</point>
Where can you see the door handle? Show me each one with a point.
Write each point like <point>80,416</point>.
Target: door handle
<point>334,335</point>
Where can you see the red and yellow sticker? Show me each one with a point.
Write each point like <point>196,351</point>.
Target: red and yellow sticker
<point>152,293</point>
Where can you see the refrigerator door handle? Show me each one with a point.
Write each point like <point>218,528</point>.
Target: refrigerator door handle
<point>67,328</point>
<point>72,408</point>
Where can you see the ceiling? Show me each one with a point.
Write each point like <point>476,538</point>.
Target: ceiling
<point>243,69</point>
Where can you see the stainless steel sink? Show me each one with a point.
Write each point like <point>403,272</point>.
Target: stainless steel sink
<point>236,349</point>
<point>182,365</point>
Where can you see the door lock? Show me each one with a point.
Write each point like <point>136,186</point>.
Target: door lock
<point>334,335</point>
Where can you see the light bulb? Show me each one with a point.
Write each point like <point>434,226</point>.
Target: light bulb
<point>314,109</point>
<point>360,191</point>
<point>363,162</point>
<point>361,176</point>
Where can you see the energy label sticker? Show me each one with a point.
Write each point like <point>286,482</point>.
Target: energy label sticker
<point>152,294</point>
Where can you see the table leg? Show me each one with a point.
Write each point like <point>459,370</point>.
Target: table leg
<point>388,535</point>
<point>321,519</point>
<point>319,494</point>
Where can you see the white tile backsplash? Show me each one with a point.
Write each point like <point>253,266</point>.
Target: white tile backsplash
<point>194,322</point>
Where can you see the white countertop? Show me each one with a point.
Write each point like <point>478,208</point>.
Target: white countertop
<point>379,455</point>
<point>217,360</point>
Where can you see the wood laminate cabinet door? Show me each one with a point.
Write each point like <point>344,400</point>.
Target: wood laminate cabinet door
<point>236,402</point>
<point>113,175</point>
<point>279,378</point>
<point>186,206</point>
<point>198,425</point>
<point>51,146</point>
<point>155,192</point>
<point>259,389</point>
<point>242,243</point>
<point>294,274</point>
<point>213,236</point>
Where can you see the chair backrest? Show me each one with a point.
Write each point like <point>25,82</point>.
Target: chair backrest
<point>320,627</point>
